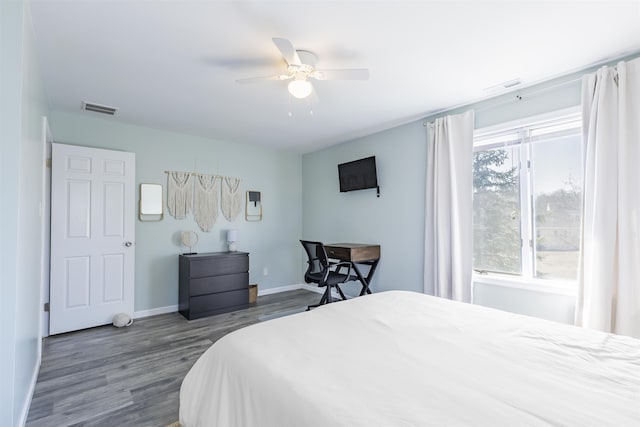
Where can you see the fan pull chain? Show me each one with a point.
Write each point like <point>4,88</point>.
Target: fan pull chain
<point>290,114</point>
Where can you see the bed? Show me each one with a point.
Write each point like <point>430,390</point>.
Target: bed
<point>401,358</point>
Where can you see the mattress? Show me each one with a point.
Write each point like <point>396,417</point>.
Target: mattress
<point>401,358</point>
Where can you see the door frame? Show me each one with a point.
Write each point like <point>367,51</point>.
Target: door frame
<point>45,227</point>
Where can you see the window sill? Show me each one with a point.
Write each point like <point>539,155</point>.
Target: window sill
<point>557,287</point>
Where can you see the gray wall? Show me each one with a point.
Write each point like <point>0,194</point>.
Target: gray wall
<point>272,243</point>
<point>23,105</point>
<point>396,219</point>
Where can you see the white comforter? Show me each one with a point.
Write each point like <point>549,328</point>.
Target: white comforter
<point>406,359</point>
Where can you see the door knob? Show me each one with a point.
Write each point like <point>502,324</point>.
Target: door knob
<point>128,244</point>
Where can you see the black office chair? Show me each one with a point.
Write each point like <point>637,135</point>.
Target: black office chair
<point>322,272</point>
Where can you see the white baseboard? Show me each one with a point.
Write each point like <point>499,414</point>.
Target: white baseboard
<point>155,311</point>
<point>279,289</point>
<point>261,292</point>
<point>312,288</point>
<point>305,286</point>
<point>174,308</point>
<point>32,388</point>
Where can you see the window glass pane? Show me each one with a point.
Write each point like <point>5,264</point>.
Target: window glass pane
<point>496,210</point>
<point>557,181</point>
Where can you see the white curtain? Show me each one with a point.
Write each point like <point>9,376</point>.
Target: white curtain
<point>609,272</point>
<point>449,191</point>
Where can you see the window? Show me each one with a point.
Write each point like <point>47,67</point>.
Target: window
<point>527,199</point>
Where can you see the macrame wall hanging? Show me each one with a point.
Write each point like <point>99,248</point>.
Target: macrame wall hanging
<point>204,199</point>
<point>205,209</point>
<point>231,202</point>
<point>179,194</point>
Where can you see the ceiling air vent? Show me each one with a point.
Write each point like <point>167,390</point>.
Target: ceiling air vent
<point>97,108</point>
<point>503,86</point>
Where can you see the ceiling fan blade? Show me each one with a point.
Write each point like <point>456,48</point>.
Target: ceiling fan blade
<point>344,74</point>
<point>262,79</point>
<point>287,50</point>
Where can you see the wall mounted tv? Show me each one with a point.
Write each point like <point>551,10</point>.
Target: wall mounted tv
<point>358,175</point>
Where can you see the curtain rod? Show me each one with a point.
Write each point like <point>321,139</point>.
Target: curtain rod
<point>206,174</point>
<point>577,75</point>
<point>517,96</point>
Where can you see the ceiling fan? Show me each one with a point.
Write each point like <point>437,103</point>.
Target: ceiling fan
<point>301,67</point>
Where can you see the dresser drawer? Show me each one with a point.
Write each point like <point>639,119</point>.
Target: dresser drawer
<point>213,284</point>
<point>213,302</point>
<point>218,266</point>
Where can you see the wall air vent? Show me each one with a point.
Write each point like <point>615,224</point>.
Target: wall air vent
<point>97,108</point>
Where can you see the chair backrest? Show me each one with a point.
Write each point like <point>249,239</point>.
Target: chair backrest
<point>317,262</point>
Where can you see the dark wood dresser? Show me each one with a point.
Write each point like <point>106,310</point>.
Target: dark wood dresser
<point>213,283</point>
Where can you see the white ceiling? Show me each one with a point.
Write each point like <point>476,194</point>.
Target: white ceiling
<point>173,64</point>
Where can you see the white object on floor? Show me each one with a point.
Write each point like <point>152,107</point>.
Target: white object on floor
<point>122,320</point>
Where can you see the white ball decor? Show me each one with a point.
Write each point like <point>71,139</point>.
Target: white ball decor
<point>121,320</point>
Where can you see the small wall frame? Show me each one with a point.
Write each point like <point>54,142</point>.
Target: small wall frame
<point>253,206</point>
<point>151,206</point>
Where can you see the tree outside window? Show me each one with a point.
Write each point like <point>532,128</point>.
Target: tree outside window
<point>527,200</point>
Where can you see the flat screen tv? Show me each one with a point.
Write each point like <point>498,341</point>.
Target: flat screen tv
<point>358,174</point>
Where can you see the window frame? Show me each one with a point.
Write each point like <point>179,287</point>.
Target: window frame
<point>526,129</point>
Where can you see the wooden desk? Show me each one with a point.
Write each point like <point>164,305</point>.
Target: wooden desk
<point>357,253</point>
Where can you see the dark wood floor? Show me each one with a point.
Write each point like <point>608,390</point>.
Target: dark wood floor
<point>131,376</point>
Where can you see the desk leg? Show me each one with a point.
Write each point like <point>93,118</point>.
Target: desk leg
<point>365,280</point>
<point>372,269</point>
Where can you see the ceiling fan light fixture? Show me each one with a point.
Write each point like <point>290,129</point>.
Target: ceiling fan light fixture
<point>300,88</point>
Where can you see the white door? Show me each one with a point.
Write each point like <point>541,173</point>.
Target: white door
<point>92,235</point>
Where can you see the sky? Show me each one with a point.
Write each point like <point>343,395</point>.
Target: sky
<point>557,161</point>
